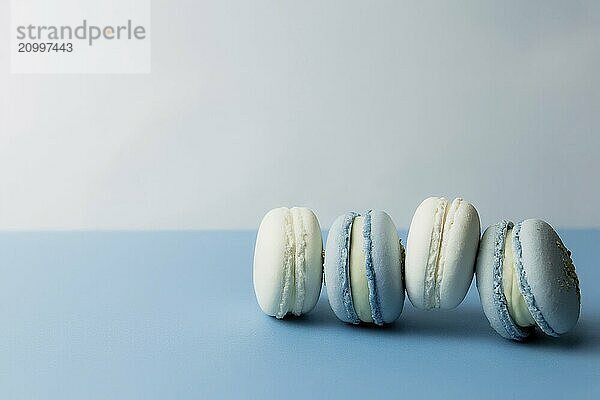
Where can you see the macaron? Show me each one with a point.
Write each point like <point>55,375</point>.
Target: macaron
<point>288,262</point>
<point>440,253</point>
<point>526,279</point>
<point>363,268</point>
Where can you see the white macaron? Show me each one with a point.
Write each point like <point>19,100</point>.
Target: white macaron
<point>440,253</point>
<point>288,262</point>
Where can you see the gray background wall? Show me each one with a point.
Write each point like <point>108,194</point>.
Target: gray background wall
<point>335,105</point>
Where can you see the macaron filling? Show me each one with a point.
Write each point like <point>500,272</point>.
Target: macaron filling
<point>300,236</point>
<point>294,265</point>
<point>513,330</point>
<point>517,307</point>
<point>524,286</point>
<point>358,278</point>
<point>443,221</point>
<point>432,272</point>
<point>288,266</point>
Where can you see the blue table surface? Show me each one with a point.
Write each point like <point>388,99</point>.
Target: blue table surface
<point>155,315</point>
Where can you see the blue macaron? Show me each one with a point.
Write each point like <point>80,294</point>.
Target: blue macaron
<point>364,262</point>
<point>526,279</point>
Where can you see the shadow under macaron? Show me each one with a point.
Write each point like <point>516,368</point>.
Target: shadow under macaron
<point>464,323</point>
<point>584,338</point>
<point>320,316</point>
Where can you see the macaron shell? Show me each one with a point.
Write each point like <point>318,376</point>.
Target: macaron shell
<point>488,274</point>
<point>313,273</point>
<point>417,250</point>
<point>460,254</point>
<point>387,264</point>
<point>337,280</point>
<point>269,260</point>
<point>547,277</point>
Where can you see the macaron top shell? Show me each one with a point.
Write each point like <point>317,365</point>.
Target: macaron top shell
<point>440,252</point>
<point>382,268</point>
<point>547,277</point>
<point>288,267</point>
